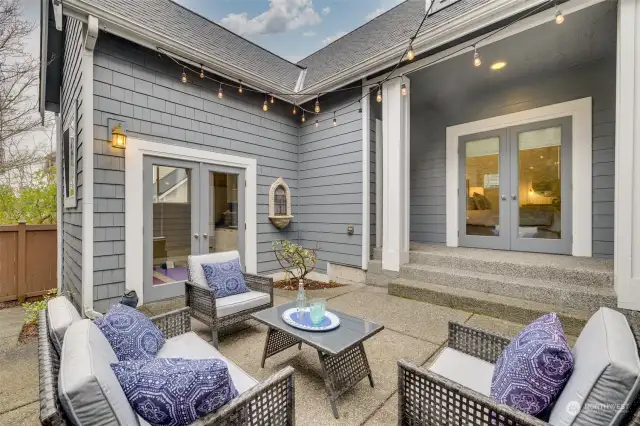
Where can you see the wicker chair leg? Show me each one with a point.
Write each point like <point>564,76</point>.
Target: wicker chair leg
<point>300,346</point>
<point>214,337</point>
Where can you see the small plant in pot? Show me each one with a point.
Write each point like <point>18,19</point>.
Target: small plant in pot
<point>296,261</point>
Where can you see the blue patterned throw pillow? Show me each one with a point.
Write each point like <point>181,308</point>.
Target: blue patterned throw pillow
<point>131,334</point>
<point>175,391</point>
<point>534,367</point>
<point>225,278</point>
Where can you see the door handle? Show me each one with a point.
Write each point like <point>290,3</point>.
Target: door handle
<point>205,236</point>
<point>195,236</point>
<point>504,197</point>
<point>513,196</point>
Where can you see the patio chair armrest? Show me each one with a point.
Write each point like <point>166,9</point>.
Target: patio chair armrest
<point>426,398</point>
<point>476,342</point>
<point>201,300</point>
<point>173,323</point>
<point>271,402</point>
<point>259,283</point>
<point>51,413</point>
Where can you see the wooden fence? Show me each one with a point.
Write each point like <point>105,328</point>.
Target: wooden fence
<point>28,260</point>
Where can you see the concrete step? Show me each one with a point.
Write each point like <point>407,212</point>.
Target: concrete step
<point>378,277</point>
<point>539,290</point>
<point>503,307</point>
<point>564,269</point>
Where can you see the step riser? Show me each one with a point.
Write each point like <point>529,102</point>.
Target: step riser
<point>377,277</point>
<point>562,296</point>
<point>572,326</point>
<point>546,272</point>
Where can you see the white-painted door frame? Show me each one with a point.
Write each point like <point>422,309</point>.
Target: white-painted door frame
<point>580,111</point>
<point>134,241</point>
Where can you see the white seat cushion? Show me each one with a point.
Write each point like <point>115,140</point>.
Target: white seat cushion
<point>467,370</point>
<point>60,314</point>
<point>191,346</point>
<point>606,373</point>
<point>240,302</point>
<point>88,387</point>
<point>196,273</point>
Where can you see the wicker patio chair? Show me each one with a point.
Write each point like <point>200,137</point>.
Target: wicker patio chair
<point>427,398</point>
<point>269,402</point>
<point>204,306</point>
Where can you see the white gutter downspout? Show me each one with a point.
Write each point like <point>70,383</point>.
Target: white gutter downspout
<point>87,166</point>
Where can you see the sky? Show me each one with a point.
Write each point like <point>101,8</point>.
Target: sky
<point>292,29</point>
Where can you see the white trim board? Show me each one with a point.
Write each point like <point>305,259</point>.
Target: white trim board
<point>134,242</point>
<point>580,111</point>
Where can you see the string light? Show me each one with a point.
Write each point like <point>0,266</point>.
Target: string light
<point>559,16</point>
<point>184,76</point>
<point>295,110</point>
<point>317,107</point>
<point>240,87</point>
<point>379,95</point>
<point>273,101</point>
<point>265,106</point>
<point>303,117</point>
<point>201,72</point>
<point>220,92</point>
<point>476,58</point>
<point>335,123</point>
<point>403,88</point>
<point>411,55</point>
<point>317,123</point>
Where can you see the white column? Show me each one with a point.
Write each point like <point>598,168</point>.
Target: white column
<point>395,174</point>
<point>627,179</point>
<point>366,179</point>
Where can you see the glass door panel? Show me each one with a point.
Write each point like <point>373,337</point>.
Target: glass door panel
<point>223,210</point>
<point>541,192</point>
<point>170,225</point>
<point>484,168</point>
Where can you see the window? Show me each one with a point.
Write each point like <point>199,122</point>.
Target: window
<point>69,160</point>
<point>280,201</point>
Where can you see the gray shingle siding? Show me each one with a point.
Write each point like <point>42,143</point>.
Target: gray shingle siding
<point>331,183</point>
<point>72,217</point>
<point>132,84</point>
<point>595,79</point>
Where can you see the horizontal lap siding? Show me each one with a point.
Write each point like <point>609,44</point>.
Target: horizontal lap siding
<point>331,183</point>
<point>428,139</point>
<point>133,84</point>
<point>72,217</point>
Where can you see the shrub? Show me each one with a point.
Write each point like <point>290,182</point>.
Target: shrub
<point>32,308</point>
<point>295,260</point>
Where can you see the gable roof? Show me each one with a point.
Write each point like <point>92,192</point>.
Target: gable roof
<point>191,29</point>
<point>387,31</point>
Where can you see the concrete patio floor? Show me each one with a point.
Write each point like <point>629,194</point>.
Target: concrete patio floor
<point>413,330</point>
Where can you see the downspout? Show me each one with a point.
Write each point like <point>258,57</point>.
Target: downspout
<point>87,166</point>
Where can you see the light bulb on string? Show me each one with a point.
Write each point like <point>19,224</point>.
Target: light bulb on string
<point>379,95</point>
<point>265,106</point>
<point>220,92</point>
<point>317,123</point>
<point>317,106</point>
<point>335,123</point>
<point>295,110</point>
<point>201,72</point>
<point>411,55</point>
<point>240,87</point>
<point>303,117</point>
<point>403,88</point>
<point>476,58</point>
<point>184,76</point>
<point>559,16</point>
<point>273,101</point>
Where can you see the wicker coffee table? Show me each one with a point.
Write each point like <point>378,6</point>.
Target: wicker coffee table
<point>341,351</point>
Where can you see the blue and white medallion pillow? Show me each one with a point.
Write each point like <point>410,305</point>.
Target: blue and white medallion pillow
<point>132,335</point>
<point>175,391</point>
<point>534,367</point>
<point>225,278</point>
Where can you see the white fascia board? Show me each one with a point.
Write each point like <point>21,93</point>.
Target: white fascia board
<point>122,27</point>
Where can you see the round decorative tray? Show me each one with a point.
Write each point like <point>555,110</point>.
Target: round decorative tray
<point>329,322</point>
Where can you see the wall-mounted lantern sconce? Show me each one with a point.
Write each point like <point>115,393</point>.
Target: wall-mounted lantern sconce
<point>118,137</point>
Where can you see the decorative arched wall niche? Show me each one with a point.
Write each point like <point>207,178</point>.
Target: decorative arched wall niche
<point>280,204</point>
